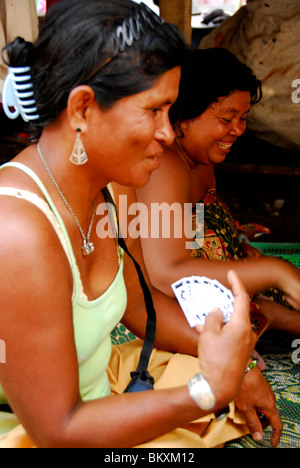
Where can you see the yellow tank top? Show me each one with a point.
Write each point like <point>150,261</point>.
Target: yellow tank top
<point>93,320</point>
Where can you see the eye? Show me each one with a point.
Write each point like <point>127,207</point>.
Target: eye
<point>156,110</point>
<point>226,121</point>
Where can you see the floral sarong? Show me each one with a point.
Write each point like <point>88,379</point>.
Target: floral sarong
<point>222,243</point>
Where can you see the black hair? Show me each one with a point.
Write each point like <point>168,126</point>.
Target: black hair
<point>74,47</point>
<point>208,75</point>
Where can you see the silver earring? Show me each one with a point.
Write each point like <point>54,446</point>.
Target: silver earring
<point>78,156</point>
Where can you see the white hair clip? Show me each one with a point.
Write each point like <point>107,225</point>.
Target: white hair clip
<point>18,94</point>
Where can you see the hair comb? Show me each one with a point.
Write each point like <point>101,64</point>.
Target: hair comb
<point>141,18</point>
<point>138,22</point>
<point>18,94</point>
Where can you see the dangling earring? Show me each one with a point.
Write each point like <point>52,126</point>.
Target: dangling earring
<point>78,156</point>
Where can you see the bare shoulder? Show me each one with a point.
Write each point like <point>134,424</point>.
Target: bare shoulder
<point>170,183</point>
<point>172,163</point>
<point>36,316</point>
<point>30,251</point>
<point>36,282</point>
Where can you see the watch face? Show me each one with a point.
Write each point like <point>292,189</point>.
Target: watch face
<point>201,392</point>
<point>207,401</point>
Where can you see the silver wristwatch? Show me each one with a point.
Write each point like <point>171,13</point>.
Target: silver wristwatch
<point>201,392</point>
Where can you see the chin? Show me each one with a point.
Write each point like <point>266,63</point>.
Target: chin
<point>136,181</point>
<point>219,158</point>
<point>141,182</point>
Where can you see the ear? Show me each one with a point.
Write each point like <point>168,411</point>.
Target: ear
<point>80,105</point>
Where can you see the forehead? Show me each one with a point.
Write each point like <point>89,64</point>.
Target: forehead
<point>236,102</point>
<point>163,92</point>
<point>165,89</point>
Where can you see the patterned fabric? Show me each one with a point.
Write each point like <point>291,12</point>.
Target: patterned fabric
<point>221,237</point>
<point>284,378</point>
<point>121,335</point>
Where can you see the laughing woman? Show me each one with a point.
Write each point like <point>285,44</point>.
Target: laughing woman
<point>216,94</point>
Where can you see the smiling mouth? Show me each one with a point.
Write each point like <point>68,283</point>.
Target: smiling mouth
<point>156,156</point>
<point>155,161</point>
<point>224,146</point>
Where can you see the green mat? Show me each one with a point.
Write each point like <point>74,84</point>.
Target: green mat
<point>284,378</point>
<point>121,335</point>
<point>290,252</point>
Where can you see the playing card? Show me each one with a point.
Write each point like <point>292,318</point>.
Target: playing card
<point>199,305</point>
<point>182,293</point>
<point>224,299</point>
<point>198,296</point>
<point>202,295</point>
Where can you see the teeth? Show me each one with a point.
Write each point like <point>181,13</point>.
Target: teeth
<point>225,146</point>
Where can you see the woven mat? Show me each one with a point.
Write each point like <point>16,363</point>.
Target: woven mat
<point>284,378</point>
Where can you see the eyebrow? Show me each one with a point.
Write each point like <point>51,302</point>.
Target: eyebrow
<point>167,102</point>
<point>234,111</point>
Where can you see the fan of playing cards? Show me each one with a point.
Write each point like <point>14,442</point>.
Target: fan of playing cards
<point>198,296</point>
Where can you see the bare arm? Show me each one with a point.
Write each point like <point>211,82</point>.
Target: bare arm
<point>168,259</point>
<point>174,334</point>
<point>173,331</point>
<point>40,378</point>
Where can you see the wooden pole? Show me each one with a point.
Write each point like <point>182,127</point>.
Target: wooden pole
<point>178,12</point>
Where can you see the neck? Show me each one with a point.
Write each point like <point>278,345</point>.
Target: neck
<point>180,149</point>
<point>183,154</point>
<point>79,184</point>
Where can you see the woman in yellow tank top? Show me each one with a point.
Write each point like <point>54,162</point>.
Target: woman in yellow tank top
<point>98,83</point>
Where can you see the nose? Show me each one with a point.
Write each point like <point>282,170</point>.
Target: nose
<point>238,128</point>
<point>164,132</point>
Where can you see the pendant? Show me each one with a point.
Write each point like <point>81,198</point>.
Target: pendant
<point>87,249</point>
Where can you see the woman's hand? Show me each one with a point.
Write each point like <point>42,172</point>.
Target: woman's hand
<point>224,350</point>
<point>256,397</point>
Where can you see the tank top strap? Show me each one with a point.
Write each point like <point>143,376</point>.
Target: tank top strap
<point>36,200</point>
